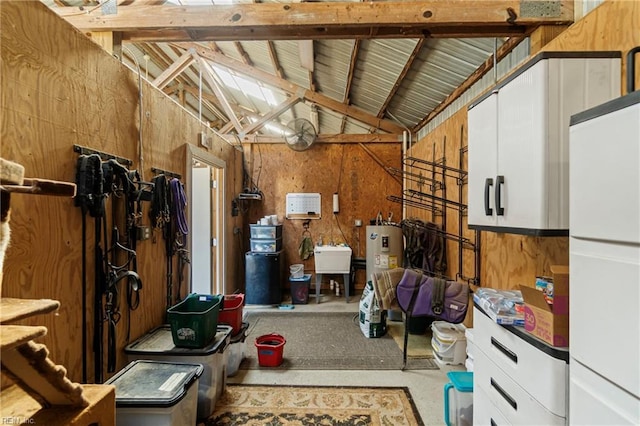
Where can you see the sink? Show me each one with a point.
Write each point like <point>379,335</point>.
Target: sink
<point>332,259</point>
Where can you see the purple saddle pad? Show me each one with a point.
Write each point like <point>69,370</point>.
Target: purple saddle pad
<point>443,300</point>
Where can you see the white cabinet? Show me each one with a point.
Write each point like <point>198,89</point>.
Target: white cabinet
<point>519,140</point>
<point>518,379</point>
<point>604,263</point>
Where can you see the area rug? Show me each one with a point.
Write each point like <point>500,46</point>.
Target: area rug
<point>326,341</point>
<point>314,405</point>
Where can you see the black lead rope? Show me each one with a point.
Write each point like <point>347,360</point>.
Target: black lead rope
<point>412,302</point>
<point>89,198</point>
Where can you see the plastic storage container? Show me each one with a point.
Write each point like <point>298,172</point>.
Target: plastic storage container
<point>265,231</point>
<point>468,333</point>
<point>152,393</point>
<point>458,399</point>
<point>266,246</point>
<point>237,350</point>
<point>270,349</point>
<point>300,289</point>
<point>193,321</point>
<point>296,270</point>
<point>231,312</point>
<point>449,343</point>
<point>158,345</point>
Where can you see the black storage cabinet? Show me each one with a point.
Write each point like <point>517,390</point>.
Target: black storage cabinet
<point>263,278</point>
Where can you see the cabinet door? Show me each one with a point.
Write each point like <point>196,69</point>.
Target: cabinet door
<point>522,139</point>
<point>605,177</point>
<point>483,137</point>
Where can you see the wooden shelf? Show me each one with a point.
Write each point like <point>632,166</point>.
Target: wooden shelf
<point>13,336</point>
<point>16,404</point>
<point>12,310</point>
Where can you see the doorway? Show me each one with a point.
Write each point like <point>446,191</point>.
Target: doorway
<point>206,177</point>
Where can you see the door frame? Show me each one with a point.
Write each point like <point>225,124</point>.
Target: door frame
<point>193,153</point>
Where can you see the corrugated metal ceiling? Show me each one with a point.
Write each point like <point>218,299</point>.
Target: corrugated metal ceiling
<point>439,67</point>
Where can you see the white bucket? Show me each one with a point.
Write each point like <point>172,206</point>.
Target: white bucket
<point>296,270</point>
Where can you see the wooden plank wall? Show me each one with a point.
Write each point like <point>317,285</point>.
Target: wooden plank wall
<point>361,183</point>
<point>59,89</point>
<point>509,260</point>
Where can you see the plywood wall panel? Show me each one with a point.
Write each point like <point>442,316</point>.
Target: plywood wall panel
<point>362,185</point>
<point>613,25</point>
<point>59,89</point>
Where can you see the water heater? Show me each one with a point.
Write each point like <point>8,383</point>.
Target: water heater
<point>384,248</point>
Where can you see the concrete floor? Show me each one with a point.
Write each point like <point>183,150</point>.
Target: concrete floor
<point>426,386</point>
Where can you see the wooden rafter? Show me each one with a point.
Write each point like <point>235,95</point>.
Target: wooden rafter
<point>276,111</point>
<point>327,138</point>
<point>243,54</point>
<point>318,20</point>
<point>208,74</point>
<point>176,68</point>
<point>401,76</point>
<point>347,89</point>
<point>294,89</point>
<point>502,51</point>
<point>274,60</point>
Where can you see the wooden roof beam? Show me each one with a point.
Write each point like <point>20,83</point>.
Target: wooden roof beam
<point>347,89</point>
<point>208,74</point>
<point>282,107</point>
<point>274,60</point>
<point>327,138</point>
<point>401,76</point>
<point>243,54</point>
<point>175,69</point>
<point>317,20</point>
<point>315,97</point>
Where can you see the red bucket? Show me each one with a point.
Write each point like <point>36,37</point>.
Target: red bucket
<point>270,349</point>
<point>231,312</point>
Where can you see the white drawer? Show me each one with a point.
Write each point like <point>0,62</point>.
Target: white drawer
<point>596,401</point>
<point>484,412</point>
<point>543,376</point>
<point>517,406</point>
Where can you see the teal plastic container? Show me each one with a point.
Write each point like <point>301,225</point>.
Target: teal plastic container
<point>458,399</point>
<point>194,321</point>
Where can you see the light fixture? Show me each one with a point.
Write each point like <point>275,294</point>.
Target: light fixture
<point>305,51</point>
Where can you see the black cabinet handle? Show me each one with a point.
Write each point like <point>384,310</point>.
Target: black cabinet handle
<point>504,394</point>
<point>499,208</point>
<point>488,211</point>
<point>502,348</point>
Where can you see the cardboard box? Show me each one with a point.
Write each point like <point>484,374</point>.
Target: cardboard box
<point>549,322</point>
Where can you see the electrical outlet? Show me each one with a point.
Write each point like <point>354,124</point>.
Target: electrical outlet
<point>358,223</point>
<point>204,140</point>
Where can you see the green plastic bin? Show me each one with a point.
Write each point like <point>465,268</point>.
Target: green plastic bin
<point>194,321</point>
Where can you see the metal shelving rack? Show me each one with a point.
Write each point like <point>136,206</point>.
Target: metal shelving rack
<point>431,176</point>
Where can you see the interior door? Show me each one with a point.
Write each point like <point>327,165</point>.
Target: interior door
<point>206,215</point>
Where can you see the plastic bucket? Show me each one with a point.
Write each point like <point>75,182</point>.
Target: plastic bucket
<point>270,349</point>
<point>231,312</point>
<point>296,270</point>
